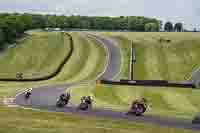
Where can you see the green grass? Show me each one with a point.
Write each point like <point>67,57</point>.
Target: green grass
<point>23,121</point>
<point>154,61</point>
<point>86,63</point>
<point>166,102</point>
<point>37,55</point>
<point>173,61</point>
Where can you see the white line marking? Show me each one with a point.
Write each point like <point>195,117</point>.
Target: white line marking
<point>9,102</point>
<point>116,44</point>
<point>29,108</point>
<point>13,106</point>
<point>21,93</point>
<point>121,57</point>
<point>113,41</point>
<point>107,60</point>
<point>107,57</point>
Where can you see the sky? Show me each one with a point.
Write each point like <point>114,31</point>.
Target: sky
<point>185,11</point>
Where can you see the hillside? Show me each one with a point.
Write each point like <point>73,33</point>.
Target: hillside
<point>36,55</point>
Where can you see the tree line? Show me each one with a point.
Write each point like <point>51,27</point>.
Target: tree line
<point>169,27</point>
<point>14,25</point>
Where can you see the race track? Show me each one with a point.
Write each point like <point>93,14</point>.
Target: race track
<point>45,97</point>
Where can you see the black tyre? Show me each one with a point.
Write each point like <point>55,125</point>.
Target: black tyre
<point>66,101</point>
<point>83,106</point>
<point>130,113</point>
<point>196,120</point>
<point>60,104</point>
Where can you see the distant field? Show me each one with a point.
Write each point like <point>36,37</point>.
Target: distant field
<point>173,61</point>
<point>28,121</point>
<point>38,54</point>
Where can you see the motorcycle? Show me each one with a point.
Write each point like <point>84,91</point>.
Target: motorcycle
<point>138,110</point>
<point>138,107</point>
<point>63,101</point>
<point>86,103</point>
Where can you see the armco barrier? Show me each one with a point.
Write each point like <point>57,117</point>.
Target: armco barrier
<point>53,74</point>
<point>147,81</point>
<point>151,83</point>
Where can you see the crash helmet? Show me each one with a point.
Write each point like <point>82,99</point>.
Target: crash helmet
<point>90,97</point>
<point>62,95</point>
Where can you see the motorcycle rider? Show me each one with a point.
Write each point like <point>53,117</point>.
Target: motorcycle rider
<point>86,103</point>
<point>65,97</point>
<point>83,99</point>
<point>142,101</point>
<point>87,99</point>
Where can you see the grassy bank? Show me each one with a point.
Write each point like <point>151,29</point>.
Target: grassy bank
<point>87,62</point>
<point>84,64</point>
<point>154,61</point>
<point>173,61</point>
<point>23,121</point>
<point>37,55</point>
<point>163,100</point>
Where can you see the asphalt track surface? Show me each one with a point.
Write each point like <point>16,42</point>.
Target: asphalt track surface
<point>45,97</point>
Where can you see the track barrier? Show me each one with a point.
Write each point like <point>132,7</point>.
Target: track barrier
<point>150,83</point>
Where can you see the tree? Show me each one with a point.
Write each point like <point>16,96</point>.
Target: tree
<point>178,27</point>
<point>151,27</point>
<point>28,21</point>
<point>14,25</point>
<point>195,30</point>
<point>39,21</point>
<point>51,21</point>
<point>60,21</point>
<point>2,39</point>
<point>168,26</point>
<point>140,24</point>
<point>132,23</point>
